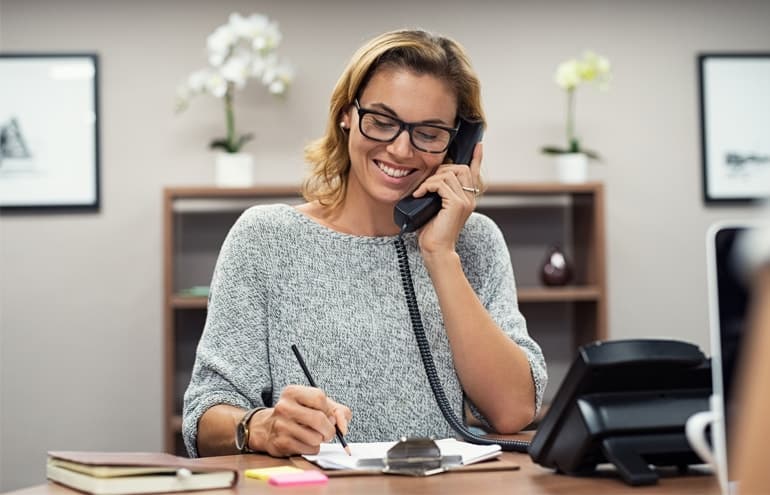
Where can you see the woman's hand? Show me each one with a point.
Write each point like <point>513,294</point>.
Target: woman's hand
<point>440,234</point>
<point>301,420</point>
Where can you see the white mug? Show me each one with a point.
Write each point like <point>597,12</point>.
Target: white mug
<point>716,456</point>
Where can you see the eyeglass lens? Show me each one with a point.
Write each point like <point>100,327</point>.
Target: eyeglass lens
<point>424,137</point>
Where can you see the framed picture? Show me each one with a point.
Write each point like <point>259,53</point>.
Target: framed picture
<point>735,126</point>
<point>49,131</point>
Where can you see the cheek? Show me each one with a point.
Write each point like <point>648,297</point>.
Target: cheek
<point>358,146</point>
<point>432,162</point>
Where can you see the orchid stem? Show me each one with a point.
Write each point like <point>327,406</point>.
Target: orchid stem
<point>571,141</point>
<point>230,119</point>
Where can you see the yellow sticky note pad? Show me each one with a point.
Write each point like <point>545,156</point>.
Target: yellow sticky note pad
<point>265,473</point>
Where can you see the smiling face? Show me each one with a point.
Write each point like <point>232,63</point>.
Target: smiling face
<point>383,173</point>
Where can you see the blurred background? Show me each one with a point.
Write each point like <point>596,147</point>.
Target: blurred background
<point>81,293</point>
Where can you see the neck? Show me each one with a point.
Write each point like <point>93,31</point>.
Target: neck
<point>359,220</point>
<point>365,216</point>
<point>357,215</point>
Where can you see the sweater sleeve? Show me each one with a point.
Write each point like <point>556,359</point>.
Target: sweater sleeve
<point>231,363</point>
<point>489,269</point>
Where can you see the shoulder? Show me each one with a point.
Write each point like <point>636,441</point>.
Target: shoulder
<point>480,230</point>
<point>481,245</point>
<point>260,223</point>
<point>265,215</point>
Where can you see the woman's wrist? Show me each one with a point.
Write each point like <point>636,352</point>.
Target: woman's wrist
<point>439,259</point>
<point>258,430</point>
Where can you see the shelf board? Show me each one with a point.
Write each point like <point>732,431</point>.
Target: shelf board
<point>233,192</point>
<point>188,302</point>
<point>558,294</point>
<point>536,188</point>
<point>175,423</point>
<point>526,295</point>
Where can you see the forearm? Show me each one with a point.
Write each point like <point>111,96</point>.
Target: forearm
<point>494,371</point>
<point>216,430</point>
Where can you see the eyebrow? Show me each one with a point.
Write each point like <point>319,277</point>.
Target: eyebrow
<point>387,109</point>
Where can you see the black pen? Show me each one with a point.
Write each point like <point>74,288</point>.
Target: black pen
<point>312,384</point>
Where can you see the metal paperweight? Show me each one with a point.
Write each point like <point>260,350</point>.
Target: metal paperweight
<point>418,457</point>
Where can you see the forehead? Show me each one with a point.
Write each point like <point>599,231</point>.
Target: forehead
<point>413,96</point>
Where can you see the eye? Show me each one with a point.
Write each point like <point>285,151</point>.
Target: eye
<point>383,122</point>
<point>426,133</point>
<point>430,134</point>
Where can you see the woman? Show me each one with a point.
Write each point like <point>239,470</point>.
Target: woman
<point>325,276</point>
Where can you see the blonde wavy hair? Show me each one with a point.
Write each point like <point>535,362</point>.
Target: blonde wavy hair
<point>418,51</point>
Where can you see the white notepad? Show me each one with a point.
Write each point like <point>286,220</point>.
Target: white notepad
<point>365,455</point>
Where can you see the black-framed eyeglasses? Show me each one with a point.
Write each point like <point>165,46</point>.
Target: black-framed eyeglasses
<point>385,128</point>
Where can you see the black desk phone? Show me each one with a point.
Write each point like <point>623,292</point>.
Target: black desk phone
<point>412,213</point>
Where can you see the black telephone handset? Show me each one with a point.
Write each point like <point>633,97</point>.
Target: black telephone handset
<point>412,213</point>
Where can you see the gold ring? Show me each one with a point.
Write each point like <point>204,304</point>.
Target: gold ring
<point>474,190</point>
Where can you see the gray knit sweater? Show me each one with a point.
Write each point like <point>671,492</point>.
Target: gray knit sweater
<point>283,279</point>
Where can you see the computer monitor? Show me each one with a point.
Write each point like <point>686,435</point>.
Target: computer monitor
<point>728,300</point>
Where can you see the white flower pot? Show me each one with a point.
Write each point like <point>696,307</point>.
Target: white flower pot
<point>572,168</point>
<point>234,170</point>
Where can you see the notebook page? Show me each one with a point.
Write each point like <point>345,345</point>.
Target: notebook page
<point>331,455</point>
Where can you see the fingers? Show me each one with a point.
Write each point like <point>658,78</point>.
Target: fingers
<point>475,165</point>
<point>340,415</point>
<point>311,408</point>
<point>454,182</point>
<point>468,176</point>
<point>303,418</point>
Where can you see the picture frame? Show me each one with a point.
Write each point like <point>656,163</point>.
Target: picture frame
<point>735,126</point>
<point>49,131</point>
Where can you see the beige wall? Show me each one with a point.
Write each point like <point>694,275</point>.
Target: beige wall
<point>80,294</point>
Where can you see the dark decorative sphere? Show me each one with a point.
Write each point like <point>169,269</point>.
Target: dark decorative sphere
<point>556,270</point>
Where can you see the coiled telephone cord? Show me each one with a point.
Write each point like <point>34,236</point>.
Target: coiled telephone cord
<point>430,367</point>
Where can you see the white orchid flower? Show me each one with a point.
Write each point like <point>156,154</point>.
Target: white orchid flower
<point>282,77</point>
<point>197,80</point>
<point>257,24</point>
<point>219,44</point>
<point>277,87</point>
<point>604,69</point>
<point>270,75</point>
<point>273,36</point>
<point>568,74</point>
<point>236,70</point>
<point>260,65</point>
<point>216,85</point>
<point>238,24</point>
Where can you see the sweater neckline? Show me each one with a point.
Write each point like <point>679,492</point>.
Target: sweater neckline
<point>310,222</point>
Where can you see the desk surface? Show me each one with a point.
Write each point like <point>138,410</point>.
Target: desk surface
<point>530,479</point>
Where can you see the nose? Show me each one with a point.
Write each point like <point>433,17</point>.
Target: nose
<point>402,145</point>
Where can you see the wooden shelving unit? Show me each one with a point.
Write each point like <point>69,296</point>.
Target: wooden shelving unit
<point>532,216</point>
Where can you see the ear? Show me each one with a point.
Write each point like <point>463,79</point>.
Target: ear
<point>344,121</point>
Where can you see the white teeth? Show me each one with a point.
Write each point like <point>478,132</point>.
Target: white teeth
<point>392,172</point>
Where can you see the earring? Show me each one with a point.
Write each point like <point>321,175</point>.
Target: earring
<point>342,126</point>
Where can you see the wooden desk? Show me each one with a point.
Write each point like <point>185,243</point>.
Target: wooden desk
<point>531,479</point>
